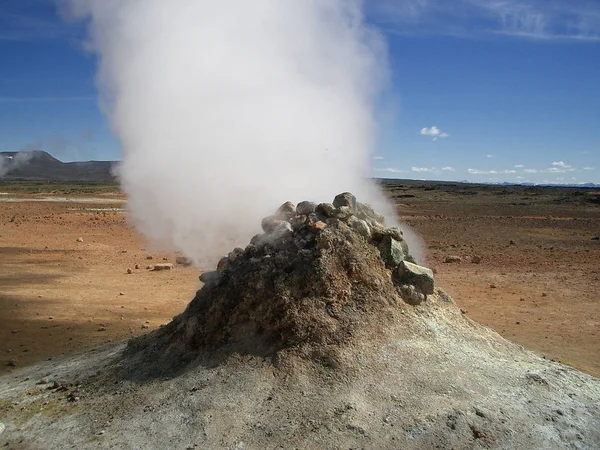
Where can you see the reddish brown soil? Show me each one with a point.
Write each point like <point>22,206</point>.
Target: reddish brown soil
<point>57,293</point>
<point>542,290</point>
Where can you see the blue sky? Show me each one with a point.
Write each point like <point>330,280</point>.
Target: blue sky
<point>496,90</point>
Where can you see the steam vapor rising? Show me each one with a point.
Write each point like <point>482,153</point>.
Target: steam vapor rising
<point>227,108</point>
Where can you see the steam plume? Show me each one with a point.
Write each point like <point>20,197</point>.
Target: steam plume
<point>227,108</point>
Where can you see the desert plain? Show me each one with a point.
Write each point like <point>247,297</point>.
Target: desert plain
<point>525,262</point>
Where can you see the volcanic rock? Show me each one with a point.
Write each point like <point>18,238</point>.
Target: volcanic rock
<point>420,277</point>
<point>305,208</point>
<point>325,209</point>
<point>345,199</point>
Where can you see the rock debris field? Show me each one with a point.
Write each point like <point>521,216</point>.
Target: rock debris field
<point>323,332</point>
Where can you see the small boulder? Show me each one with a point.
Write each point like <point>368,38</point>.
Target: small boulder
<point>475,259</point>
<point>366,212</point>
<point>360,226</point>
<point>286,211</point>
<point>298,222</point>
<point>343,213</point>
<point>283,230</point>
<point>411,294</point>
<point>235,253</point>
<point>269,223</point>
<point>209,278</point>
<point>391,252</point>
<point>419,276</point>
<point>163,266</point>
<point>223,264</point>
<point>79,239</point>
<point>305,208</point>
<point>345,199</point>
<point>452,259</point>
<point>129,270</point>
<point>183,261</point>
<point>394,233</point>
<point>325,209</point>
<point>316,226</point>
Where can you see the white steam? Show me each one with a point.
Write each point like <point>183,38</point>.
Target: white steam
<point>226,109</point>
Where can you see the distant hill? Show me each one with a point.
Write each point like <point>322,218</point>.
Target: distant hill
<point>38,165</point>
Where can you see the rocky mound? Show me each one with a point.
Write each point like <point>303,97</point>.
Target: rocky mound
<point>321,333</point>
<point>316,274</point>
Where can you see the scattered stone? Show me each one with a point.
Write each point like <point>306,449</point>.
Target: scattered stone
<point>317,226</point>
<point>223,264</point>
<point>325,209</point>
<point>183,261</point>
<point>297,222</point>
<point>79,239</point>
<point>123,251</point>
<point>145,325</point>
<point>268,224</point>
<point>452,259</point>
<point>305,208</point>
<point>129,270</point>
<point>360,226</point>
<point>391,252</point>
<point>149,257</point>
<point>101,328</point>
<point>475,259</point>
<point>463,311</point>
<point>411,294</point>
<point>148,267</point>
<point>596,238</point>
<point>287,210</point>
<point>281,231</point>
<point>163,266</point>
<point>209,278</point>
<point>511,242</point>
<point>121,293</point>
<point>493,286</point>
<point>15,331</point>
<point>13,362</point>
<point>137,266</point>
<point>394,233</point>
<point>544,294</point>
<point>343,213</point>
<point>418,276</point>
<point>235,253</point>
<point>345,199</point>
<point>43,381</point>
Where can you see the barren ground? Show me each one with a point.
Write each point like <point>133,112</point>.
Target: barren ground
<point>56,294</point>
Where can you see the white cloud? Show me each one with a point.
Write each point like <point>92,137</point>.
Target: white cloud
<point>519,166</point>
<point>434,132</point>
<point>530,171</point>
<point>391,170</point>
<point>481,172</point>
<point>589,168</point>
<point>422,169</point>
<point>489,156</point>
<point>379,158</point>
<point>575,20</point>
<point>508,172</point>
<point>561,164</point>
<point>448,169</point>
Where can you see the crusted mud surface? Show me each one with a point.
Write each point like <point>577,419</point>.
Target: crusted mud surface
<point>321,333</point>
